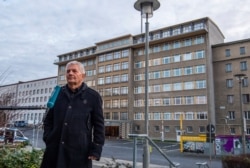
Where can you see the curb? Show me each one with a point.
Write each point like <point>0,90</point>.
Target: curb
<point>103,161</point>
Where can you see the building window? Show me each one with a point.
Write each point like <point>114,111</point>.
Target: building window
<point>230,99</point>
<point>115,116</point>
<point>189,116</point>
<point>166,60</point>
<point>229,67</point>
<point>231,115</point>
<point>247,115</point>
<point>227,53</point>
<point>232,131</point>
<point>166,129</point>
<point>246,98</point>
<point>108,68</point>
<point>242,51</point>
<point>187,42</point>
<point>189,129</point>
<point>245,82</point>
<point>124,115</point>
<point>202,129</point>
<point>124,78</point>
<point>189,100</point>
<point>200,69</point>
<point>188,85</point>
<point>201,115</point>
<point>201,84</point>
<point>124,65</point>
<point>167,101</point>
<point>116,78</point>
<point>166,73</point>
<point>177,86</point>
<point>243,66</point>
<point>187,56</point>
<point>177,44</point>
<point>138,116</point>
<point>166,87</point>
<point>200,54</point>
<point>137,127</point>
<point>156,116</point>
<point>188,70</point>
<point>177,58</point>
<point>156,128</point>
<point>229,83</point>
<point>117,67</point>
<point>167,116</point>
<point>177,115</point>
<point>177,72</point>
<point>107,116</point>
<point>177,101</point>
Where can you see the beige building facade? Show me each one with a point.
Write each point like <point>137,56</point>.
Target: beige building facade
<point>183,94</point>
<point>230,59</point>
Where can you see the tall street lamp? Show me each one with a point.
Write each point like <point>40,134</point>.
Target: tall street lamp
<point>146,7</point>
<point>240,77</point>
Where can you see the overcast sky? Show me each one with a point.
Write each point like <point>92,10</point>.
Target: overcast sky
<point>34,32</point>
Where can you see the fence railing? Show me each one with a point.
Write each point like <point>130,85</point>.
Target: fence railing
<point>145,136</point>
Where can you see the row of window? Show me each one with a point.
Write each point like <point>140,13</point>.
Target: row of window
<point>113,55</point>
<point>42,99</point>
<point>230,82</point>
<point>232,115</point>
<point>25,116</point>
<point>36,84</point>
<point>172,59</point>
<point>113,79</point>
<point>114,91</point>
<point>171,32</point>
<point>116,116</point>
<point>172,115</point>
<point>245,98</point>
<point>242,51</point>
<point>201,84</point>
<point>179,100</point>
<point>190,70</point>
<point>243,66</point>
<point>113,67</point>
<point>171,45</point>
<point>35,91</point>
<point>116,103</point>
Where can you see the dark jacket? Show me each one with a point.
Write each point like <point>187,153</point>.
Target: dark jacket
<point>74,129</point>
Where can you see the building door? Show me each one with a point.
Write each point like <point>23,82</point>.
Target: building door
<point>112,131</point>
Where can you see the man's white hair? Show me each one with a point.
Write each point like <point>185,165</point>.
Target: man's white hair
<point>80,65</point>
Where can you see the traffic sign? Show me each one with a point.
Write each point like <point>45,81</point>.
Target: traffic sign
<point>210,128</point>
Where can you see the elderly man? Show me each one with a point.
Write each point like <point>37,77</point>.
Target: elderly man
<point>74,127</point>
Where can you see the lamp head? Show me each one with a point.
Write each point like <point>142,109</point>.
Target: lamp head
<point>146,7</point>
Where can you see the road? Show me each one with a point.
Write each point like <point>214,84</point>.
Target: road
<point>123,150</point>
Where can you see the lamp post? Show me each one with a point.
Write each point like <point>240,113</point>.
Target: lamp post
<point>240,77</point>
<point>146,7</point>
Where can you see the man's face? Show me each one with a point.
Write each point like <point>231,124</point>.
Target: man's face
<point>73,75</point>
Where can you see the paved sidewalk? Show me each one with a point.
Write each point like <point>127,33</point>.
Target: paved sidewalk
<point>103,161</point>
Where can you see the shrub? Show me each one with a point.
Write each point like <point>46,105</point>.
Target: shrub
<point>236,161</point>
<point>19,158</point>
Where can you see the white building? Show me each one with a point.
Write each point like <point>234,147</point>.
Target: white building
<point>29,93</point>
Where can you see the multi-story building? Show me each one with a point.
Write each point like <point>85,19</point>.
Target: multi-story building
<point>230,59</point>
<point>27,94</point>
<point>180,79</point>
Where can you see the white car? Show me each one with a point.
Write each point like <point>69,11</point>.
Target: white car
<point>12,135</point>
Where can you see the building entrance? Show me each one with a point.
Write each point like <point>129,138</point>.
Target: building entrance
<point>112,131</point>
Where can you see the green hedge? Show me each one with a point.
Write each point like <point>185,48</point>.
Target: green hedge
<point>20,158</point>
<point>236,161</point>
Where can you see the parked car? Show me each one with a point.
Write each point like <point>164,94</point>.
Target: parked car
<point>12,135</point>
<point>20,123</point>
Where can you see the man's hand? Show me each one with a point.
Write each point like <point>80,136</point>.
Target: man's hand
<point>92,158</point>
